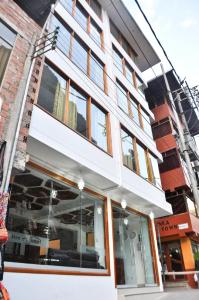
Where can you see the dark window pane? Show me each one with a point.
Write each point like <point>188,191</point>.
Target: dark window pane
<point>5,50</point>
<point>142,161</point>
<point>63,41</point>
<point>134,108</point>
<point>122,98</point>
<point>115,32</point>
<point>79,55</point>
<point>146,123</point>
<point>81,16</point>
<point>96,7</point>
<point>98,127</point>
<point>161,130</point>
<point>67,230</point>
<point>128,150</point>
<point>68,5</point>
<point>52,94</point>
<point>7,34</point>
<point>77,118</point>
<point>97,72</point>
<point>117,58</point>
<point>95,33</point>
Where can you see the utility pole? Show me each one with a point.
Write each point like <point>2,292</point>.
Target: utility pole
<point>183,139</point>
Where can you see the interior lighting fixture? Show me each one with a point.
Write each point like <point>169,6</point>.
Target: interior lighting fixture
<point>123,203</point>
<point>81,185</point>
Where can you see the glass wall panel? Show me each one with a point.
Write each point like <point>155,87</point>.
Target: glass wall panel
<point>142,161</point>
<point>63,228</point>
<point>77,115</point>
<point>95,33</point>
<point>52,93</point>
<point>134,108</point>
<point>117,60</point>
<point>122,98</point>
<point>98,127</point>
<point>133,256</point>
<point>63,40</point>
<point>68,5</point>
<point>129,72</point>
<point>81,16</point>
<point>140,86</point>
<point>146,123</point>
<point>97,71</point>
<point>155,170</point>
<point>128,150</point>
<point>79,55</point>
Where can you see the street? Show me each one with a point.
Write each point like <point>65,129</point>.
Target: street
<point>171,294</point>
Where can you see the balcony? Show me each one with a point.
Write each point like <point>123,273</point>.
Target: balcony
<point>174,179</point>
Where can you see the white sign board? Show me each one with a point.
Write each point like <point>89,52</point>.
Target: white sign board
<point>183,226</point>
<point>28,239</point>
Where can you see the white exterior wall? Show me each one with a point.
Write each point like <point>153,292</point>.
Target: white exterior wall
<point>67,152</point>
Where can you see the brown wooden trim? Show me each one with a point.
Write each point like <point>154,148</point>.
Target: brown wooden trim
<point>71,45</point>
<point>55,272</point>
<point>136,156</point>
<point>66,113</point>
<point>129,105</point>
<point>89,24</point>
<point>109,136</point>
<point>113,243</point>
<point>102,40</point>
<point>89,117</point>
<point>105,80</point>
<point>134,80</point>
<point>149,166</point>
<point>106,237</point>
<point>89,63</point>
<point>129,209</point>
<point>124,67</point>
<point>73,8</point>
<point>153,252</point>
<point>140,116</point>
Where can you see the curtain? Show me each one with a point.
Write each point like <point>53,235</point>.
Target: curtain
<point>72,116</point>
<point>4,56</point>
<point>59,102</point>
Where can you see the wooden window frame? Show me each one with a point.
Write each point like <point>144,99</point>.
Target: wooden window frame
<point>107,272</point>
<point>152,241</point>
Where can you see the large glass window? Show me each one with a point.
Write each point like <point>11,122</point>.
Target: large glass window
<point>146,123</point>
<point>142,161</point>
<point>155,171</point>
<point>52,93</point>
<point>77,114</point>
<point>135,111</point>
<point>7,39</point>
<point>122,98</point>
<point>52,223</point>
<point>129,73</point>
<point>95,33</point>
<point>98,127</point>
<point>96,7</point>
<point>97,71</point>
<point>140,86</point>
<point>68,5</point>
<point>128,150</point>
<point>117,60</point>
<point>79,54</point>
<point>81,16</point>
<point>133,255</point>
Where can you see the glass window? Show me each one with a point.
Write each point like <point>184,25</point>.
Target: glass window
<point>129,72</point>
<point>122,98</point>
<point>142,161</point>
<point>68,5</point>
<point>134,108</point>
<point>97,71</point>
<point>146,123</point>
<point>155,170</point>
<point>140,86</point>
<point>95,33</point>
<point>7,38</point>
<point>115,32</point>
<point>128,150</point>
<point>81,16</point>
<point>77,115</point>
<point>52,93</point>
<point>65,228</point>
<point>63,41</point>
<point>133,255</point>
<point>98,127</point>
<point>117,58</point>
<point>191,206</point>
<point>79,55</point>
<point>96,7</point>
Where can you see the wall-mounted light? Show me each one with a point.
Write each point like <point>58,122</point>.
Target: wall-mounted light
<point>123,203</point>
<point>99,210</point>
<point>81,185</point>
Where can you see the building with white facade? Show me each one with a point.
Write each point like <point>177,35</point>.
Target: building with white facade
<point>90,149</point>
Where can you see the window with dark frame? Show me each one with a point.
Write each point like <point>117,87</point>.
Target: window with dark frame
<point>68,103</point>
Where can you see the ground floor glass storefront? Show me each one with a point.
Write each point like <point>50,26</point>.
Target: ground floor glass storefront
<point>53,223</point>
<point>133,255</point>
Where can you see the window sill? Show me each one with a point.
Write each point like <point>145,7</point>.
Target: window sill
<point>40,107</point>
<point>12,267</point>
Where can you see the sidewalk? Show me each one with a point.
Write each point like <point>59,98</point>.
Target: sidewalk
<point>171,294</point>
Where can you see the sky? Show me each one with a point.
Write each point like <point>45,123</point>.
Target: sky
<point>176,23</point>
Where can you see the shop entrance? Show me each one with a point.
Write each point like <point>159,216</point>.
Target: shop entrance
<point>173,260</point>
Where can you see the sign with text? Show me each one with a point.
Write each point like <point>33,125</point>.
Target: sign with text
<point>27,239</point>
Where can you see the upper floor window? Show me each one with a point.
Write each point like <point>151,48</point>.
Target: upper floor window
<point>128,150</point>
<point>117,57</point>
<point>7,39</point>
<point>155,170</point>
<point>76,50</point>
<point>142,160</point>
<point>94,4</point>
<point>146,123</point>
<point>122,40</point>
<point>72,106</point>
<point>84,19</point>
<point>140,85</point>
<point>122,98</point>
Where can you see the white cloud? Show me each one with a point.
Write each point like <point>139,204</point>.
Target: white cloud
<point>188,22</point>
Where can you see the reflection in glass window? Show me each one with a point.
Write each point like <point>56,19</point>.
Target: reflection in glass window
<point>98,127</point>
<point>81,16</point>
<point>96,7</point>
<point>135,112</point>
<point>63,41</point>
<point>155,170</point>
<point>133,255</point>
<point>7,39</point>
<point>64,230</point>
<point>117,60</point>
<point>79,55</point>
<point>140,86</point>
<point>122,98</point>
<point>95,33</point>
<point>129,72</point>
<point>97,71</point>
<point>77,115</point>
<point>146,123</point>
<point>52,93</point>
<point>142,161</point>
<point>128,150</point>
<point>68,5</point>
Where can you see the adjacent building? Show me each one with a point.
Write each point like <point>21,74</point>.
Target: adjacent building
<point>179,232</point>
<point>85,185</point>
